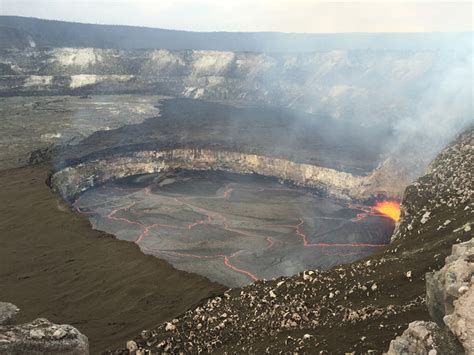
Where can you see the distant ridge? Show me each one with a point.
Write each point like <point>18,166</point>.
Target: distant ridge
<point>21,32</point>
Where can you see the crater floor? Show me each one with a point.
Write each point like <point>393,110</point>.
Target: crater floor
<point>231,228</point>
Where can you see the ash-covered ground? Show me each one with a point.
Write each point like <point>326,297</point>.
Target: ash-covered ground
<point>36,123</point>
<point>232,228</point>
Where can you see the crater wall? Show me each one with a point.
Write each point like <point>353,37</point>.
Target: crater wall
<point>72,180</point>
<point>307,81</point>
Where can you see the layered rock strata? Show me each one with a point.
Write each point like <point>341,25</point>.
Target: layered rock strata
<point>309,81</point>
<point>75,179</point>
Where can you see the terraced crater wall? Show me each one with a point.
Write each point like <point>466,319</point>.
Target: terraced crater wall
<point>72,180</point>
<point>311,82</point>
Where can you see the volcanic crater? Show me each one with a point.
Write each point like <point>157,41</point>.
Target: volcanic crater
<point>234,193</point>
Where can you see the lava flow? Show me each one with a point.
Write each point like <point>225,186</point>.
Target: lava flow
<point>389,208</point>
<point>386,208</point>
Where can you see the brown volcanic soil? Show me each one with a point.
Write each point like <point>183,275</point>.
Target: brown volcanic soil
<point>54,266</point>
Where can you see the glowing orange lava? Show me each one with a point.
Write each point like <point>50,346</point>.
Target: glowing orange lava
<point>389,208</point>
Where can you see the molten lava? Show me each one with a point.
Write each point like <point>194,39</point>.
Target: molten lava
<point>389,208</point>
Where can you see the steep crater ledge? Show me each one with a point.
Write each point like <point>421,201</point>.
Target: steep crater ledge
<point>73,180</point>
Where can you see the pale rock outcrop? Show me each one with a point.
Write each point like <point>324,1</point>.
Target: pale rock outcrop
<point>38,81</point>
<point>445,286</point>
<point>8,312</point>
<point>461,320</point>
<point>424,338</point>
<point>82,80</point>
<point>450,301</point>
<point>39,336</point>
<point>82,57</point>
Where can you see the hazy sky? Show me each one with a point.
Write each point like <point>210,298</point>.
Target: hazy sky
<point>257,15</point>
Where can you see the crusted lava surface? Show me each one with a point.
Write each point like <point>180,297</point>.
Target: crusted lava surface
<point>232,228</point>
<point>356,307</point>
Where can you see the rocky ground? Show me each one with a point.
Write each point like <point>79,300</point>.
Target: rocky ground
<point>352,308</point>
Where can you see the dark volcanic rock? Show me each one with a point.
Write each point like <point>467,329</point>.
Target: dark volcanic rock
<point>41,155</point>
<point>281,133</point>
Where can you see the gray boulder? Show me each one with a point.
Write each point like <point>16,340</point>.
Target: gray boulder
<point>8,313</point>
<point>425,338</point>
<point>443,287</point>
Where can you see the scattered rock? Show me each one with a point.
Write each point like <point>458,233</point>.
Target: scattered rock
<point>132,346</point>
<point>170,327</point>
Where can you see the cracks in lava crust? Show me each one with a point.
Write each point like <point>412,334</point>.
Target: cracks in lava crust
<point>213,218</point>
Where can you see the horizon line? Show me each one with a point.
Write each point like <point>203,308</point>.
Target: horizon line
<point>240,32</point>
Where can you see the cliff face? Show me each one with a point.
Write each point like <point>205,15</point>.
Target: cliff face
<point>72,180</point>
<point>343,84</point>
